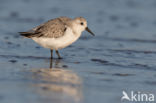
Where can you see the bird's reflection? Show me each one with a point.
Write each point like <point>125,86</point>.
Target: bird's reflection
<point>55,63</point>
<point>58,85</point>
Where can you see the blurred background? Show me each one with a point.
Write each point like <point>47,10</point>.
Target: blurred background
<point>120,57</point>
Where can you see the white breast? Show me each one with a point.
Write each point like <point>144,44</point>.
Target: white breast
<point>58,43</point>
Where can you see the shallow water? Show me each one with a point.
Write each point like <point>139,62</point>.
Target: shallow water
<point>96,69</point>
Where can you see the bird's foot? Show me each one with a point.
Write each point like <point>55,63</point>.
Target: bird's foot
<point>60,58</point>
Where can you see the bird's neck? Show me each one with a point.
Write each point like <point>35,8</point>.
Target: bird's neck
<point>77,33</point>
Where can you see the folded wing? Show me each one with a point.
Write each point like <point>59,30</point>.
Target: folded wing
<point>54,28</point>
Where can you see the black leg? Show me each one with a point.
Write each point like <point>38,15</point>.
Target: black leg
<point>59,57</point>
<point>51,51</point>
<point>51,58</point>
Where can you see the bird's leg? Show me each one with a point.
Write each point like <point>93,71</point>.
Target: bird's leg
<point>59,57</point>
<point>51,51</point>
<point>51,58</point>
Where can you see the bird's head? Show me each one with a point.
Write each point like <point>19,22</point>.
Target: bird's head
<point>80,24</point>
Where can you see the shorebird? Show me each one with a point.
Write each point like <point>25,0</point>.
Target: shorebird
<point>58,33</point>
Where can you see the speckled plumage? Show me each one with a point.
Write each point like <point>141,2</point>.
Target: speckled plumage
<point>54,28</point>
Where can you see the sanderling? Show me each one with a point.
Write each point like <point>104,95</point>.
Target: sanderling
<point>58,33</point>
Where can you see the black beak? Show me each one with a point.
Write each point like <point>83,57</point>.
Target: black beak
<point>87,29</point>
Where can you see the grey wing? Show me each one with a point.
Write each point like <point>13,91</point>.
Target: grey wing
<point>53,29</point>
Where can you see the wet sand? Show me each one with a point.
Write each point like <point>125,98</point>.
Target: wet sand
<point>97,69</point>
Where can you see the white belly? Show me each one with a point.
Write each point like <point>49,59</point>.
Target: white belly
<point>58,43</point>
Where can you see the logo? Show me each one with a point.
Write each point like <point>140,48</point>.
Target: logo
<point>137,96</point>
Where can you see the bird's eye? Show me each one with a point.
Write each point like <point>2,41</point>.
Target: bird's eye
<point>81,23</point>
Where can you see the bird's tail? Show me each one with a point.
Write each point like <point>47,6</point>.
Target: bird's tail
<point>26,34</point>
